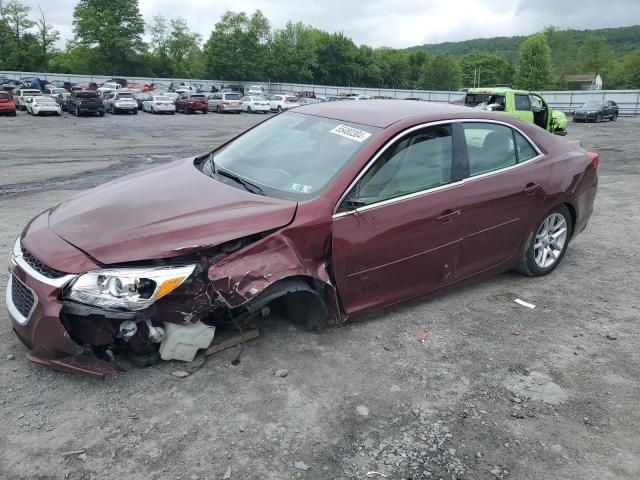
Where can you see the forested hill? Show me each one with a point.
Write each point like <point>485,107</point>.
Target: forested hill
<point>621,40</point>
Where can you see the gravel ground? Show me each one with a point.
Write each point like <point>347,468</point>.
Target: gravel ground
<point>496,390</point>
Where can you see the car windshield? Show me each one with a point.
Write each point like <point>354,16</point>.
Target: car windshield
<point>293,155</point>
<point>259,99</point>
<point>161,99</point>
<point>125,95</point>
<point>198,97</point>
<point>46,100</point>
<point>592,104</point>
<point>232,96</point>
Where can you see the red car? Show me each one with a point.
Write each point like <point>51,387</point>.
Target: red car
<point>192,103</point>
<point>327,212</point>
<point>7,106</point>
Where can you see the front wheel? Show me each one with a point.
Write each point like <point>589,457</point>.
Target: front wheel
<point>598,118</point>
<point>547,243</point>
<point>614,117</point>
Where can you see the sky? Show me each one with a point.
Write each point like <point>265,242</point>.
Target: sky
<point>391,23</point>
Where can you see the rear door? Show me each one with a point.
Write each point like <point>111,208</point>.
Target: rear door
<point>396,233</point>
<point>502,196</point>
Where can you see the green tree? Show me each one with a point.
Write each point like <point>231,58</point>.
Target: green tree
<point>237,46</point>
<point>292,53</point>
<point>183,50</point>
<point>534,71</point>
<point>14,39</point>
<point>595,54</point>
<point>113,30</point>
<point>47,37</point>
<point>443,72</point>
<point>484,69</point>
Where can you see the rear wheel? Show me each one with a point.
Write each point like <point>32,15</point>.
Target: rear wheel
<point>614,117</point>
<point>135,112</point>
<point>598,118</point>
<point>279,109</point>
<point>249,110</point>
<point>547,243</point>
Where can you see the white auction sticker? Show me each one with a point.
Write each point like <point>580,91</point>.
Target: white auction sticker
<point>352,133</point>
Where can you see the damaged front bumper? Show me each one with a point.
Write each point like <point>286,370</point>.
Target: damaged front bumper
<point>32,299</point>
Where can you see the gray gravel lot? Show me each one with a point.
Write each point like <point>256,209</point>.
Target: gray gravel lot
<point>495,391</point>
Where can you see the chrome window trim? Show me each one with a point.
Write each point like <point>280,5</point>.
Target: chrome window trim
<point>432,189</point>
<point>13,311</point>
<point>16,259</point>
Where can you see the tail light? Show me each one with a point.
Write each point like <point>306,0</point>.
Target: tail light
<point>226,103</point>
<point>595,159</point>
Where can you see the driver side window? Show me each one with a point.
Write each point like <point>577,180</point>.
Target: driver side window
<point>416,162</point>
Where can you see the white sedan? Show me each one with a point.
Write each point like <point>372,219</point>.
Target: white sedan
<point>43,105</point>
<point>255,103</point>
<point>159,104</point>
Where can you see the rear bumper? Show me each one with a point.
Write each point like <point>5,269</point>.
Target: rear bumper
<point>231,108</point>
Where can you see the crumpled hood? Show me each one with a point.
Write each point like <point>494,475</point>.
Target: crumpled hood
<point>164,212</point>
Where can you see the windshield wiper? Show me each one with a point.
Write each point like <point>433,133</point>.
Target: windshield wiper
<point>250,187</point>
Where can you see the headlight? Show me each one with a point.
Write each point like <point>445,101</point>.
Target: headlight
<point>129,288</point>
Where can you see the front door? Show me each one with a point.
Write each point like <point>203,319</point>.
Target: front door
<point>396,233</point>
<point>502,196</point>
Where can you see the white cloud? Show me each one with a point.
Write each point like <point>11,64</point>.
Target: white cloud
<point>400,23</point>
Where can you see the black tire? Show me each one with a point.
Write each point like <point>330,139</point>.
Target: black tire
<point>279,108</point>
<point>598,118</point>
<point>527,264</point>
<point>101,113</point>
<point>218,109</point>
<point>614,117</point>
<point>186,110</point>
<point>205,112</point>
<point>14,114</point>
<point>135,112</point>
<point>76,112</point>
<point>304,309</point>
<point>249,110</point>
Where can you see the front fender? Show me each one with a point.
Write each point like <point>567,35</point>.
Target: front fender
<point>244,275</point>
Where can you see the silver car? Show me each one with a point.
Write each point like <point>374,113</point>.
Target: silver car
<point>116,102</point>
<point>225,102</point>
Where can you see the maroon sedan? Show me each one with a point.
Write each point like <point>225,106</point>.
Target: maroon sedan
<point>326,213</point>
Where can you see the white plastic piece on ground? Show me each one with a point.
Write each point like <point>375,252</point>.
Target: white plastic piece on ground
<point>182,342</point>
<point>524,304</point>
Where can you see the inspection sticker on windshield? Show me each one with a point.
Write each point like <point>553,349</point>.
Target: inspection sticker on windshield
<point>300,188</point>
<point>352,133</point>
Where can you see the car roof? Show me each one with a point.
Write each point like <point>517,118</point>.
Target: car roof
<point>382,113</point>
<point>502,91</point>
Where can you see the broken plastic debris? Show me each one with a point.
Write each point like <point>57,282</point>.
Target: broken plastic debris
<point>424,335</point>
<point>524,304</point>
<point>515,333</point>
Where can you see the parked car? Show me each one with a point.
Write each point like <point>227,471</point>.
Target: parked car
<point>256,90</point>
<point>84,102</point>
<point>58,93</point>
<point>255,104</point>
<point>192,103</point>
<point>21,96</point>
<point>141,97</point>
<point>283,102</point>
<point>43,105</point>
<point>234,87</point>
<point>307,101</point>
<point>221,102</point>
<point>7,105</point>
<point>120,81</point>
<point>596,111</point>
<point>528,106</point>
<point>120,102</point>
<point>186,89</point>
<point>159,104</point>
<point>9,85</point>
<point>311,211</point>
<point>172,96</point>
<point>107,87</point>
<point>83,86</point>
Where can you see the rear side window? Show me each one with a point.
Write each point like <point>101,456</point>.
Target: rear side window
<point>417,162</point>
<point>522,102</point>
<point>490,147</point>
<point>525,150</point>
<point>4,96</point>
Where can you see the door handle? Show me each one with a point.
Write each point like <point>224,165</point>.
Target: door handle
<point>448,215</point>
<point>531,188</point>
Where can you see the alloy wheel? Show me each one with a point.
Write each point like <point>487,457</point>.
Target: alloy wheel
<point>550,240</point>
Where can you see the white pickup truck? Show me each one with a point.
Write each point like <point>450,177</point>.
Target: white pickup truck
<point>21,96</point>
<point>108,87</point>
